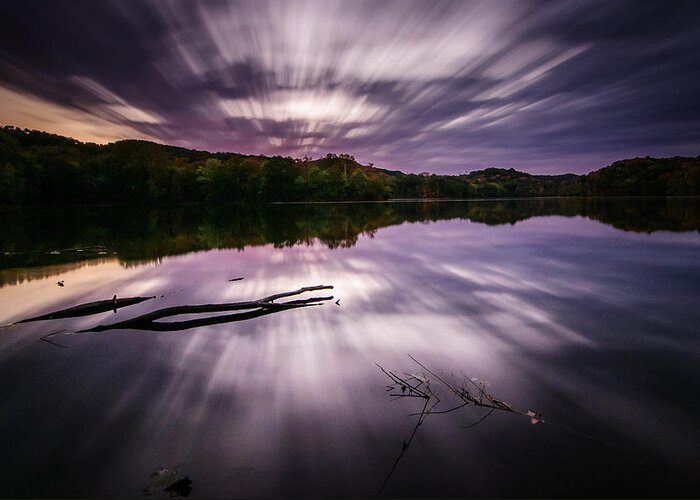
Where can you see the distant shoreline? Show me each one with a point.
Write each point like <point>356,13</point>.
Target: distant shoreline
<point>41,169</point>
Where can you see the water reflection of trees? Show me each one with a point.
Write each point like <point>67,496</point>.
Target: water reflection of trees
<point>137,237</point>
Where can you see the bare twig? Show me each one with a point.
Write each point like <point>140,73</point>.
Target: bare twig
<point>484,417</point>
<point>47,338</point>
<point>407,442</point>
<point>412,386</point>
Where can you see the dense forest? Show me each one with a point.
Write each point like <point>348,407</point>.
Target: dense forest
<point>38,168</point>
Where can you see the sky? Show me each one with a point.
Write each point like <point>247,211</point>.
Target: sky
<point>445,87</point>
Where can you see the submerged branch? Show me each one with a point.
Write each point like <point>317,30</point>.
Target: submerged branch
<point>414,386</point>
<point>407,442</point>
<point>253,309</point>
<point>89,308</point>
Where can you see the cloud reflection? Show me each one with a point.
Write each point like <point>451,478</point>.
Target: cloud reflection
<point>554,312</point>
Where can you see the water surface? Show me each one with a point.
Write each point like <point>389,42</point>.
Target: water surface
<point>585,310</point>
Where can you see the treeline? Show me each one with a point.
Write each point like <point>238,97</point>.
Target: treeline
<point>42,168</point>
<point>677,176</point>
<point>37,168</point>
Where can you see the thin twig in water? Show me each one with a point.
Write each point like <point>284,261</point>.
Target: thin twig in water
<point>484,417</point>
<point>46,338</point>
<point>413,386</point>
<point>407,442</point>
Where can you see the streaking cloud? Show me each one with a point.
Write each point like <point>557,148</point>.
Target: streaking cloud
<point>416,85</point>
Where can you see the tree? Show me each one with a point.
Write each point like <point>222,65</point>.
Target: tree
<point>318,184</point>
<point>11,185</point>
<point>216,182</point>
<point>358,185</point>
<point>278,180</point>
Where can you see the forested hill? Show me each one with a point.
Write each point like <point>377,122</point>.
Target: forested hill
<point>37,168</point>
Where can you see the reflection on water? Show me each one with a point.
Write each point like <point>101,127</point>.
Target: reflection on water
<point>594,326</point>
<point>37,243</point>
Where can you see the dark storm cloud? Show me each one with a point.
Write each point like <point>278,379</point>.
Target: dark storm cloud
<point>439,86</point>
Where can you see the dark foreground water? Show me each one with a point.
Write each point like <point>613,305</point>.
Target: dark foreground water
<point>586,311</point>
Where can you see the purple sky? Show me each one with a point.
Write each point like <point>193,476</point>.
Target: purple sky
<point>546,87</point>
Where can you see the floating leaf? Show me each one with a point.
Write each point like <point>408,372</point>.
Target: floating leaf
<point>535,417</point>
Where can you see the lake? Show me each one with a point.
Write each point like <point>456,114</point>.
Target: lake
<point>586,311</point>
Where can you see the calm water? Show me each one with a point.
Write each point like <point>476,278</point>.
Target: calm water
<point>587,311</point>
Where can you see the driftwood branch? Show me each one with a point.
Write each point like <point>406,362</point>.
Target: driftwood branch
<point>252,309</point>
<point>89,308</point>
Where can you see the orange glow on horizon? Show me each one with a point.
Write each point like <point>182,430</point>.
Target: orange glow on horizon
<point>27,111</point>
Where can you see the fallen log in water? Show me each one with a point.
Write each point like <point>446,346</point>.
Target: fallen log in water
<point>89,308</point>
<point>253,309</point>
